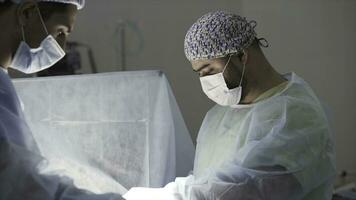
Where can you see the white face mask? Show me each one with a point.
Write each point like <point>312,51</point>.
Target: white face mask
<point>214,86</point>
<point>31,60</point>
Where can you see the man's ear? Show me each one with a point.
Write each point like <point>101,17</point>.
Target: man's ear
<point>25,11</point>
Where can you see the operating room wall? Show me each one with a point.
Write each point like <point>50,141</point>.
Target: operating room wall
<point>315,39</point>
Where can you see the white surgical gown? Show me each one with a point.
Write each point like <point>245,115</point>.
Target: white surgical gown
<point>280,147</point>
<point>20,158</point>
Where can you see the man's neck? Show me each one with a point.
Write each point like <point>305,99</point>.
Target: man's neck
<point>266,79</point>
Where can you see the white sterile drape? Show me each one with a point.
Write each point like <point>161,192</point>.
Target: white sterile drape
<point>107,132</point>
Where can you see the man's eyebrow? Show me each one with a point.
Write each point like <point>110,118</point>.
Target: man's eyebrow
<point>202,67</point>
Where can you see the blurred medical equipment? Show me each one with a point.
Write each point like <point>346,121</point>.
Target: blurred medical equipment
<point>128,41</point>
<point>108,132</point>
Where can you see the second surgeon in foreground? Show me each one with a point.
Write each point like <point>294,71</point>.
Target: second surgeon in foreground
<point>266,138</point>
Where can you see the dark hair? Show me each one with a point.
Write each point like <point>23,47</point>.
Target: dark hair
<point>49,8</point>
<point>5,5</point>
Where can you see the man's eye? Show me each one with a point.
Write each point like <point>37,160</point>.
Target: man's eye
<point>210,72</point>
<point>206,73</point>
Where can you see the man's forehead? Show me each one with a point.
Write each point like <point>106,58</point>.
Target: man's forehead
<point>212,60</point>
<point>197,64</point>
<point>66,18</point>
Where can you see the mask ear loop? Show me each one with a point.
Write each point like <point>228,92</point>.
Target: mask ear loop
<point>243,70</point>
<point>23,33</point>
<point>227,63</point>
<point>41,19</point>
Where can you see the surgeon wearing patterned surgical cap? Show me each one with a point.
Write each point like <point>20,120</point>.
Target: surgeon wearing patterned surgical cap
<point>266,138</point>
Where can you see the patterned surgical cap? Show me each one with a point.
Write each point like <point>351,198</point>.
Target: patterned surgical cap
<point>218,34</point>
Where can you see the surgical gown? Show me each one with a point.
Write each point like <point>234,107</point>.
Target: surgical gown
<point>279,147</point>
<point>20,158</point>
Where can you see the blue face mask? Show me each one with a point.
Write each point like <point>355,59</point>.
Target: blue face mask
<point>31,60</point>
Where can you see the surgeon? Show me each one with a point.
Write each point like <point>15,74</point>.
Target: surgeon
<point>267,137</point>
<point>32,38</point>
